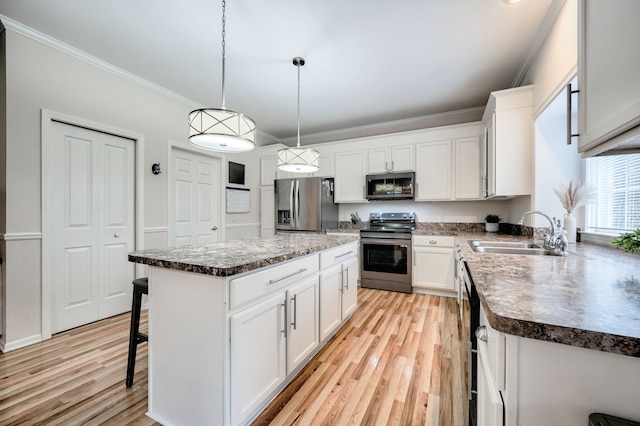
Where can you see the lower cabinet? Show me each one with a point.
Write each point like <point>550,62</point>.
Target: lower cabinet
<point>339,276</point>
<point>258,355</point>
<point>303,328</point>
<point>434,264</point>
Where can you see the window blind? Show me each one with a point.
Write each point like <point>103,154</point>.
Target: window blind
<point>616,180</point>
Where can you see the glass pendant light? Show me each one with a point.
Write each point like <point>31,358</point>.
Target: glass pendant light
<point>298,160</point>
<point>220,129</point>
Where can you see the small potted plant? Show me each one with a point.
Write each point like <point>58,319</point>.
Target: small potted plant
<point>492,222</point>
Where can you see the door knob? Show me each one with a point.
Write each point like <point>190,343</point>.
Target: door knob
<point>481,333</point>
<point>116,235</point>
<point>215,228</point>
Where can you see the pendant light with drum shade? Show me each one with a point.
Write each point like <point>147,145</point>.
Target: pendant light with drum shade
<point>298,160</point>
<point>220,129</point>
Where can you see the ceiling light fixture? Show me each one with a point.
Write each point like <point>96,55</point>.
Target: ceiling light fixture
<point>511,1</point>
<point>220,129</point>
<point>298,160</point>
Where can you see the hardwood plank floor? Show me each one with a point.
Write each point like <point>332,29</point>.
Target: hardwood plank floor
<point>398,361</point>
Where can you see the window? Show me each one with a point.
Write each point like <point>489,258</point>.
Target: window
<point>616,206</point>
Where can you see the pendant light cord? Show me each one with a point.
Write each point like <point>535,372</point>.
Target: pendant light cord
<point>224,21</point>
<point>298,64</point>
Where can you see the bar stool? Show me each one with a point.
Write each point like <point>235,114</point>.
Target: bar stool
<point>140,287</point>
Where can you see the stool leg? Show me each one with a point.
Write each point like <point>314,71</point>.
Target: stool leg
<point>133,339</point>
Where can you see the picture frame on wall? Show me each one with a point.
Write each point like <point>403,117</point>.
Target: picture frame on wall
<point>236,173</point>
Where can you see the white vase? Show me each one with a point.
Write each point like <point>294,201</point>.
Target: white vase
<point>570,227</point>
<point>492,227</point>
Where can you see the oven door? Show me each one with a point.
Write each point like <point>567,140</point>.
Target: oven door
<point>386,261</point>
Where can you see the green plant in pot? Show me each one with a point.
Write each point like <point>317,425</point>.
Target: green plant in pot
<point>629,242</point>
<point>492,222</point>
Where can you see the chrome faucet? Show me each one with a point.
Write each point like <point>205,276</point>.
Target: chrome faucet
<point>555,241</point>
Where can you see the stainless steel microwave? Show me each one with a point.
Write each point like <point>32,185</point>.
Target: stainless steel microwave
<point>391,186</point>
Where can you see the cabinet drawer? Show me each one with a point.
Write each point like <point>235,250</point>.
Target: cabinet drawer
<point>257,284</point>
<point>338,254</point>
<point>434,240</point>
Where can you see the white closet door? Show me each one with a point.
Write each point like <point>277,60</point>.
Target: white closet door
<point>93,225</point>
<point>195,198</point>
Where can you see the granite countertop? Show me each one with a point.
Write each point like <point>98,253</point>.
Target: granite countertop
<point>238,256</point>
<point>590,298</point>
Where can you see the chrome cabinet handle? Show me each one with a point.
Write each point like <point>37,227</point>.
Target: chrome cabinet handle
<point>481,333</point>
<point>432,242</point>
<point>347,280</point>
<point>215,228</point>
<point>343,254</point>
<point>287,276</point>
<point>284,319</point>
<point>294,300</point>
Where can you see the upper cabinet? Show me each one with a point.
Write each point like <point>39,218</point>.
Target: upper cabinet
<point>448,169</point>
<point>351,170</point>
<point>608,76</point>
<point>391,159</point>
<point>506,151</point>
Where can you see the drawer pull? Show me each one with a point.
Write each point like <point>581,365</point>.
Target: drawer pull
<point>433,242</point>
<point>343,254</point>
<point>287,276</point>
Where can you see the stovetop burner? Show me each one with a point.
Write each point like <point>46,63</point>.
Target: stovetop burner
<point>392,222</point>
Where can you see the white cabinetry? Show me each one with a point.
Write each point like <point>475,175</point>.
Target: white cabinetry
<point>433,171</point>
<point>351,170</point>
<point>256,375</point>
<point>338,287</point>
<point>303,322</point>
<point>507,148</point>
<point>448,169</point>
<point>608,77</point>
<point>434,265</point>
<point>267,211</point>
<point>467,168</point>
<point>398,158</point>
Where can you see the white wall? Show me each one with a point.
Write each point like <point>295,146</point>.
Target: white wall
<point>245,225</point>
<point>556,62</point>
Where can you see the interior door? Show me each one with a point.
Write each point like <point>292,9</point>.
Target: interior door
<point>93,225</point>
<point>195,198</point>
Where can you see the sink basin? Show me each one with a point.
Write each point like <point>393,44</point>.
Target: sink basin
<point>505,244</point>
<point>508,247</point>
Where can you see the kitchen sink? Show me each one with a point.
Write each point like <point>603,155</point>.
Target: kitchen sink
<point>508,247</point>
<point>505,244</point>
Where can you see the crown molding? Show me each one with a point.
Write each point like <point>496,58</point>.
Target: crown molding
<point>397,126</point>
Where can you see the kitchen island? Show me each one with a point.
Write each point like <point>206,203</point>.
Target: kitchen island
<point>230,324</point>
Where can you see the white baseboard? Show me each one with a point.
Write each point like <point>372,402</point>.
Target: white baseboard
<point>20,343</point>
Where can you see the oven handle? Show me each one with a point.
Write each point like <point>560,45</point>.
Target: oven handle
<point>386,242</point>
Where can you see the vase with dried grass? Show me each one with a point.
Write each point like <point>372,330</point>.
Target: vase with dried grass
<point>572,197</point>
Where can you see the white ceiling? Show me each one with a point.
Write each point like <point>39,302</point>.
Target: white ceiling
<point>367,61</point>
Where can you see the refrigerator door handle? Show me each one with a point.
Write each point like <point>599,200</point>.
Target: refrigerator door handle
<point>291,209</point>
<point>297,205</point>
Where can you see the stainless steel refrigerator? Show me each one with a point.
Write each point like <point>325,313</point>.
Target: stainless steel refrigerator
<point>305,204</point>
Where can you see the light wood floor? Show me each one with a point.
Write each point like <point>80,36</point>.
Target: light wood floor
<point>398,361</point>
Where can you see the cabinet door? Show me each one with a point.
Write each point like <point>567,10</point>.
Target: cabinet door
<point>433,171</point>
<point>608,63</point>
<point>350,177</point>
<point>402,158</point>
<point>433,268</point>
<point>330,300</point>
<point>489,159</point>
<point>490,404</point>
<point>467,168</point>
<point>303,317</point>
<point>350,275</point>
<point>268,169</point>
<point>267,211</point>
<point>379,160</point>
<point>258,355</point>
<point>326,166</point>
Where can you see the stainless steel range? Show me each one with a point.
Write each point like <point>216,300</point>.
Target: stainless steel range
<point>386,252</point>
